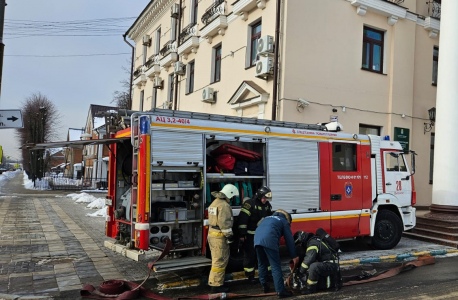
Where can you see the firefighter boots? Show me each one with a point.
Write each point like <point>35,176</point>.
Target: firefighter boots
<point>220,289</point>
<point>266,288</point>
<point>309,290</point>
<point>284,294</point>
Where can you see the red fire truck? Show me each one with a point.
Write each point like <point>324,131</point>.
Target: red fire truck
<point>160,179</point>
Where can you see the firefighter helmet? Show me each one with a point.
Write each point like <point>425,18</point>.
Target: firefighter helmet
<point>263,192</point>
<point>302,237</point>
<point>229,190</point>
<point>286,214</point>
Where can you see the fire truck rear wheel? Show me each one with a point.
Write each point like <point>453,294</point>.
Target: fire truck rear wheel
<point>387,231</point>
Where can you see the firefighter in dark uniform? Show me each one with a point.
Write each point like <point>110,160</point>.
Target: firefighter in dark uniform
<point>253,211</point>
<point>220,235</point>
<point>319,261</point>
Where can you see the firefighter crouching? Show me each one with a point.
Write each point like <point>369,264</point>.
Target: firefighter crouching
<point>253,211</point>
<point>220,235</point>
<point>267,243</point>
<point>320,262</point>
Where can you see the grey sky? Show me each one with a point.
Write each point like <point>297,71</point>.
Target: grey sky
<point>71,83</point>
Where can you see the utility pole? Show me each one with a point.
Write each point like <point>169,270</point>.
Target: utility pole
<point>2,46</point>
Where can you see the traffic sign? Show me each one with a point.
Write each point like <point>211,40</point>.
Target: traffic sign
<point>11,119</point>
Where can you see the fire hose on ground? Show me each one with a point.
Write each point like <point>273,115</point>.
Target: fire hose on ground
<point>126,290</point>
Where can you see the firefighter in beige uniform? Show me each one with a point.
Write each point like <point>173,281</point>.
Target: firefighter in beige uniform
<point>220,235</point>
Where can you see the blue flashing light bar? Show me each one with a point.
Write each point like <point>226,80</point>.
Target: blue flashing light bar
<point>144,125</point>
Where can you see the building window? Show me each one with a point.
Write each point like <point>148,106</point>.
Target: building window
<point>142,96</point>
<point>435,64</point>
<point>171,86</point>
<point>194,11</point>
<point>158,41</point>
<point>145,52</point>
<point>154,98</point>
<point>255,33</point>
<point>344,157</point>
<point>190,77</point>
<point>369,129</point>
<point>173,31</point>
<point>373,50</point>
<point>431,159</point>
<point>216,69</point>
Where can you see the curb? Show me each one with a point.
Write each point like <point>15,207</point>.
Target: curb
<point>22,297</point>
<point>235,276</point>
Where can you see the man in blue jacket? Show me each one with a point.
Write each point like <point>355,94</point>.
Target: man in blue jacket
<point>267,242</point>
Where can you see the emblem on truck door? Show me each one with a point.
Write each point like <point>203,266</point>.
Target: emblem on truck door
<point>348,189</point>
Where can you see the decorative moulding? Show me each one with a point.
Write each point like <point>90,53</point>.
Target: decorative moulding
<point>217,26</point>
<point>168,60</point>
<point>433,26</point>
<point>392,11</point>
<point>140,81</point>
<point>259,98</point>
<point>190,46</point>
<point>243,7</point>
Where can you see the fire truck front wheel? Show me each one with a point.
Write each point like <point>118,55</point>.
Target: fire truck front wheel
<point>387,231</point>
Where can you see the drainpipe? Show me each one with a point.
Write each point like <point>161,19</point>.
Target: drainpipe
<point>131,70</point>
<point>277,43</point>
<point>175,97</point>
<point>2,46</point>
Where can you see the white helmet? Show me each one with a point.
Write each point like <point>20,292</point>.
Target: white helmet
<point>229,190</point>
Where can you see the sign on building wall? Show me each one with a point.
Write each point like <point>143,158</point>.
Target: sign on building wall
<point>402,135</point>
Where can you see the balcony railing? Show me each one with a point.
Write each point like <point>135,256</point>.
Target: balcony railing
<point>167,48</point>
<point>149,63</point>
<point>213,11</point>
<point>187,32</point>
<point>434,8</point>
<point>137,72</point>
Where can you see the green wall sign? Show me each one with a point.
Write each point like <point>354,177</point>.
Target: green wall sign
<point>402,135</point>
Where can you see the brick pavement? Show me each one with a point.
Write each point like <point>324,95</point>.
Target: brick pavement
<point>48,246</point>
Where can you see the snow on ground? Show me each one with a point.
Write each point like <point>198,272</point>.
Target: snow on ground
<point>39,184</point>
<point>92,202</point>
<point>8,174</point>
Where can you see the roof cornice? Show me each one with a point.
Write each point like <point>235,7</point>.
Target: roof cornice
<point>153,11</point>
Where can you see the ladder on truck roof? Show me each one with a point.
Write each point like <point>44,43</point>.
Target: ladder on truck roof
<point>223,118</point>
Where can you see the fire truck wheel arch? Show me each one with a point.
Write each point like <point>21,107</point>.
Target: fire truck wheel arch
<point>388,230</point>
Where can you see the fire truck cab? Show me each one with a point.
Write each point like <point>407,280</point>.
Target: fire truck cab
<point>161,178</point>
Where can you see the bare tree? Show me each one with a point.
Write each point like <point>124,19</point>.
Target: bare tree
<point>41,120</point>
<point>122,98</point>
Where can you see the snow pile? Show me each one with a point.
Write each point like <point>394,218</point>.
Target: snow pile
<point>40,184</point>
<point>98,203</point>
<point>8,174</point>
<point>100,213</point>
<point>93,203</point>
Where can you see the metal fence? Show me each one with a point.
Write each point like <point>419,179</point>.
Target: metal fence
<point>69,183</point>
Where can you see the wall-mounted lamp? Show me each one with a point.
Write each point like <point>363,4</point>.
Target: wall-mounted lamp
<point>344,108</point>
<point>403,115</point>
<point>432,119</point>
<point>334,110</point>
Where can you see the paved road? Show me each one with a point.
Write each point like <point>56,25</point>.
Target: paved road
<point>48,246</point>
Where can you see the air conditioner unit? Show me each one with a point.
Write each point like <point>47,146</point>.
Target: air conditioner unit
<point>146,41</point>
<point>208,95</point>
<point>180,68</point>
<point>264,66</point>
<point>175,11</point>
<point>84,152</point>
<point>157,82</point>
<point>265,44</point>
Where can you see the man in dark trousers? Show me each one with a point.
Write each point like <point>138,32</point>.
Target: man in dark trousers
<point>267,243</point>
<point>319,261</point>
<point>253,211</point>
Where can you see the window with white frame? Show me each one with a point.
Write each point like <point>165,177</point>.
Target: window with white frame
<point>216,63</point>
<point>254,34</point>
<point>142,96</point>
<point>158,41</point>
<point>193,11</point>
<point>154,98</point>
<point>190,77</point>
<point>171,89</point>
